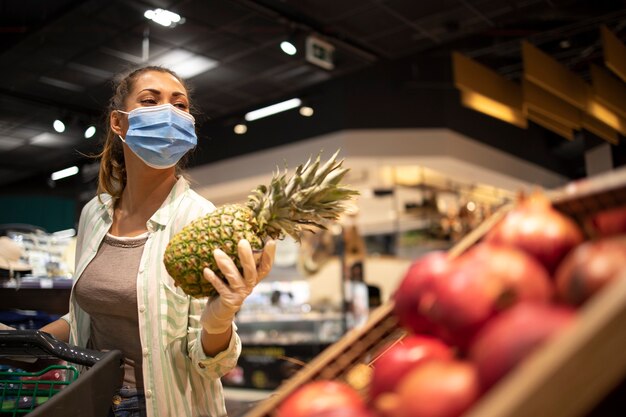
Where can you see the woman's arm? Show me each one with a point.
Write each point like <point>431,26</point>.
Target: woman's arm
<point>212,344</point>
<point>60,329</point>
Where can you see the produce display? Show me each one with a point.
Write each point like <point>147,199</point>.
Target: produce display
<point>472,319</point>
<point>312,196</point>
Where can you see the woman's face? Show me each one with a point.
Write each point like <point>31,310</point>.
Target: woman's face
<point>151,88</point>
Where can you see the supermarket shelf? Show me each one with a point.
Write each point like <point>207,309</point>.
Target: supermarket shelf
<point>51,295</point>
<point>59,283</point>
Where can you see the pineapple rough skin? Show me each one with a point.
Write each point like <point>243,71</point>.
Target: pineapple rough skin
<point>191,250</point>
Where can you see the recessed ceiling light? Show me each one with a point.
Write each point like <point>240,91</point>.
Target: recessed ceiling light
<point>90,131</point>
<point>306,111</point>
<point>240,129</point>
<point>58,126</point>
<point>288,48</point>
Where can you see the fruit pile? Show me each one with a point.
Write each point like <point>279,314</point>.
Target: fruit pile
<point>472,319</point>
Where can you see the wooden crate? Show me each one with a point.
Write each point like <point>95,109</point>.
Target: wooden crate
<point>564,378</point>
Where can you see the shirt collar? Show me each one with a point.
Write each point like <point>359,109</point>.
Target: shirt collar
<point>161,217</point>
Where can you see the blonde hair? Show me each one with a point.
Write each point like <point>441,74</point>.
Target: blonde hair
<point>112,175</point>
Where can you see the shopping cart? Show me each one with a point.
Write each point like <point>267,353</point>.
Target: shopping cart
<point>58,390</point>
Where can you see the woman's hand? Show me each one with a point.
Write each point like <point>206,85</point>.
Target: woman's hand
<point>219,312</point>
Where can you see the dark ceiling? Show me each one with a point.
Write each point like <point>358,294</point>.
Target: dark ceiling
<point>57,59</point>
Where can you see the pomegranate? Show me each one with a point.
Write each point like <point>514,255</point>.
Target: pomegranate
<point>486,279</point>
<point>510,337</point>
<point>317,397</point>
<point>345,412</point>
<point>537,228</point>
<point>398,359</point>
<point>436,388</point>
<point>607,222</point>
<point>414,294</point>
<point>589,267</point>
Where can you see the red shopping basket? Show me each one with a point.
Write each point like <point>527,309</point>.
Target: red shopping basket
<point>58,390</point>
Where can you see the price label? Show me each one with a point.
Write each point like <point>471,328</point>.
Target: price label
<point>46,283</point>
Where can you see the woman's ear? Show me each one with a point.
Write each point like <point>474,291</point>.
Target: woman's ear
<point>118,123</point>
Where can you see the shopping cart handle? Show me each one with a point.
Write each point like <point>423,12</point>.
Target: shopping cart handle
<point>38,344</point>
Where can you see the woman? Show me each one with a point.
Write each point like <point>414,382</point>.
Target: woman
<point>176,348</point>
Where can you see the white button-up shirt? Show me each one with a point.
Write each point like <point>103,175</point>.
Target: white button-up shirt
<point>179,379</point>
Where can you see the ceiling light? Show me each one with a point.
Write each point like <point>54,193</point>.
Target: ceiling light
<point>184,63</point>
<point>164,17</point>
<point>67,172</point>
<point>58,126</point>
<point>90,131</point>
<point>240,128</point>
<point>565,43</point>
<point>306,111</point>
<point>273,109</point>
<point>288,47</point>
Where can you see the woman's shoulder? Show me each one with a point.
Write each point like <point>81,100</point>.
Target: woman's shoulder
<point>98,202</point>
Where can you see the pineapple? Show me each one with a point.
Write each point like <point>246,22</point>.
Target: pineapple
<point>308,199</point>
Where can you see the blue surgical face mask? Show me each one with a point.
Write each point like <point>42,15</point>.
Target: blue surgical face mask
<point>160,135</point>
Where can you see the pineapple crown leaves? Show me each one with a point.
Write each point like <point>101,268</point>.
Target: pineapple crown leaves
<point>310,197</point>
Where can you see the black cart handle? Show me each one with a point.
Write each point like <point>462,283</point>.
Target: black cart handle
<point>38,344</point>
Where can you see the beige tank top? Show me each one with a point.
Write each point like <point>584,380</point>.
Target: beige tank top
<point>107,291</point>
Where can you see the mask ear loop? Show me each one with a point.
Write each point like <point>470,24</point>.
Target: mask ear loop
<point>127,113</point>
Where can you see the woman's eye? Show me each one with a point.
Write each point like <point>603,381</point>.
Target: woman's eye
<point>181,106</point>
<point>148,101</point>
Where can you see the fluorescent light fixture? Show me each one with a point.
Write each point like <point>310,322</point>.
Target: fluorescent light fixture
<point>59,126</point>
<point>273,109</point>
<point>90,131</point>
<point>67,172</point>
<point>49,140</point>
<point>288,48</point>
<point>185,63</point>
<point>163,17</point>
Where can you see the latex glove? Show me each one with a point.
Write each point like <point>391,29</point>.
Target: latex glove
<point>220,311</point>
